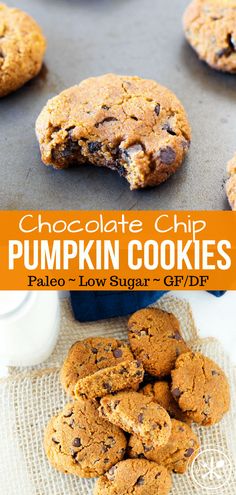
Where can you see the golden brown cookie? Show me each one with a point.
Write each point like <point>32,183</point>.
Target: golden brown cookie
<point>91,355</point>
<point>134,477</point>
<point>126,375</point>
<point>137,414</point>
<point>77,441</point>
<point>155,339</point>
<point>210,28</point>
<point>160,392</point>
<point>201,388</point>
<point>22,48</point>
<point>231,183</point>
<point>128,124</point>
<point>176,455</point>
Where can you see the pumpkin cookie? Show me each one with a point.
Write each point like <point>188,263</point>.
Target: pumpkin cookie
<point>89,356</point>
<point>22,48</point>
<point>176,455</point>
<point>128,124</point>
<point>210,28</point>
<point>231,183</point>
<point>137,414</point>
<point>136,477</point>
<point>79,442</point>
<point>126,375</point>
<point>201,388</point>
<point>160,392</point>
<point>155,339</point>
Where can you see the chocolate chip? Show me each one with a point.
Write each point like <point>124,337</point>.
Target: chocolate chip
<point>167,155</point>
<point>188,452</point>
<point>69,152</point>
<point>214,373</point>
<point>140,418</point>
<point>94,350</point>
<point>132,150</point>
<point>111,473</point>
<point>107,386</point>
<point>157,109</point>
<point>118,353</point>
<point>176,393</point>
<point>94,146</point>
<point>138,363</point>
<point>140,481</point>
<point>104,121</point>
<point>157,475</point>
<point>176,336</point>
<point>106,461</point>
<point>167,127</point>
<point>105,107</point>
<point>116,403</point>
<point>76,442</point>
<point>181,428</point>
<point>120,169</point>
<point>231,48</point>
<point>55,440</point>
<point>68,414</point>
<point>147,449</point>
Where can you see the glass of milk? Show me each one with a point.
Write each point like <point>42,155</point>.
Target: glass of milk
<point>29,326</point>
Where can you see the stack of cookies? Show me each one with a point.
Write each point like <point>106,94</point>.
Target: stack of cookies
<point>129,421</point>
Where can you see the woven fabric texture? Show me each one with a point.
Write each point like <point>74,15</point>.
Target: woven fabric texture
<point>29,399</point>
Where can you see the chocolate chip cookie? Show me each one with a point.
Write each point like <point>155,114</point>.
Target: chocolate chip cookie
<point>155,339</point>
<point>231,183</point>
<point>210,28</point>
<point>22,48</point>
<point>79,442</point>
<point>138,414</point>
<point>201,388</point>
<point>126,375</point>
<point>176,455</point>
<point>89,356</point>
<point>128,124</point>
<point>160,392</point>
<point>136,477</point>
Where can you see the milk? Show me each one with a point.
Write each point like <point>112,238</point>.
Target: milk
<point>29,326</point>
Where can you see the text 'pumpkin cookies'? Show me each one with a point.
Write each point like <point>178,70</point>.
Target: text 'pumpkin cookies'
<point>22,48</point>
<point>132,125</point>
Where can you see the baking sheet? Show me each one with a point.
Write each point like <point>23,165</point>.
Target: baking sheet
<point>91,37</point>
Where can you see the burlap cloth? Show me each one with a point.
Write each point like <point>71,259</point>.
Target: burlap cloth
<point>29,399</point>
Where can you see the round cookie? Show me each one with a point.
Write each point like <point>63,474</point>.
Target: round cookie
<point>89,356</point>
<point>126,375</point>
<point>22,48</point>
<point>79,442</point>
<point>176,455</point>
<point>201,388</point>
<point>160,392</point>
<point>125,123</point>
<point>137,414</point>
<point>155,339</point>
<point>231,183</point>
<point>210,28</point>
<point>134,477</point>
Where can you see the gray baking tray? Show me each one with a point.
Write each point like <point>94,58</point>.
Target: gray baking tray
<point>91,37</point>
